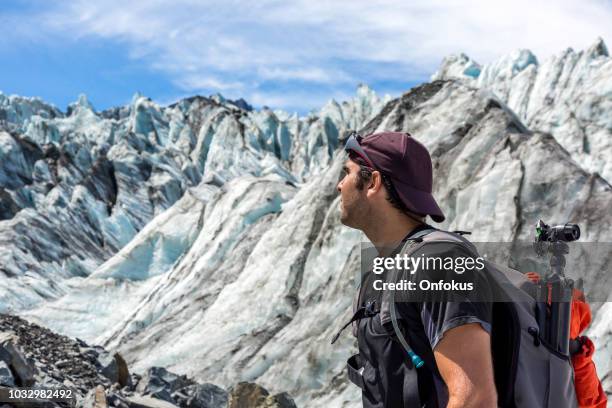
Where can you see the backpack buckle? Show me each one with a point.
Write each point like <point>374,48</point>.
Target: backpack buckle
<point>369,308</point>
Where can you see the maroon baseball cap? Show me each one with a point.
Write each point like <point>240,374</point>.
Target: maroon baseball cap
<point>407,162</point>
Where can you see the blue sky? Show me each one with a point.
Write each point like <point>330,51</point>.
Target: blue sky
<point>293,55</point>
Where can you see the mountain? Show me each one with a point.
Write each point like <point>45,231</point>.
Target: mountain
<point>205,238</point>
<point>568,95</point>
<point>75,188</point>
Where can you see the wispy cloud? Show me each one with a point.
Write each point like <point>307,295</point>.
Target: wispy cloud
<point>198,82</point>
<point>239,47</point>
<point>310,74</point>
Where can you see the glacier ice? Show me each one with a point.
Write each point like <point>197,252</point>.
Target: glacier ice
<point>93,180</point>
<point>266,308</point>
<point>206,238</point>
<point>567,95</point>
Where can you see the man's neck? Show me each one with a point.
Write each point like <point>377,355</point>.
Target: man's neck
<point>387,232</point>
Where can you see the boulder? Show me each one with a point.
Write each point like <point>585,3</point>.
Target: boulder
<point>6,377</point>
<point>282,400</point>
<point>250,395</point>
<point>95,398</point>
<point>148,402</point>
<point>201,396</point>
<point>100,397</point>
<point>12,355</point>
<point>115,369</point>
<point>87,400</point>
<point>116,399</point>
<point>160,383</point>
<point>123,374</point>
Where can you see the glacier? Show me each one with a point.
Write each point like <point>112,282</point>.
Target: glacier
<point>568,95</point>
<point>205,237</point>
<point>85,183</point>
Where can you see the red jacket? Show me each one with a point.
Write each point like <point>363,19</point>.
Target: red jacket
<point>589,391</point>
<point>588,387</point>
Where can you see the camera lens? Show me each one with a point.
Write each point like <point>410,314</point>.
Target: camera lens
<point>571,232</point>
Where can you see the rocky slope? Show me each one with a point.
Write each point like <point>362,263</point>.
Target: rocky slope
<point>35,357</point>
<point>242,271</point>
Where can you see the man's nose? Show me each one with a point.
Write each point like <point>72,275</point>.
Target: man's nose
<point>338,186</point>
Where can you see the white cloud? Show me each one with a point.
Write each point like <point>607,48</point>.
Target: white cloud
<point>311,74</point>
<point>235,46</point>
<point>197,82</point>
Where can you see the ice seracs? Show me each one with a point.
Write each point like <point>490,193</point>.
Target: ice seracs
<point>76,187</point>
<point>567,95</point>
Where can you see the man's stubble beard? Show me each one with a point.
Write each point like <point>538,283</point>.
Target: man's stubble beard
<point>353,215</point>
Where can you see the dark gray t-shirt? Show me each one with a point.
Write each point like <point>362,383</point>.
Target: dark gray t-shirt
<point>424,319</point>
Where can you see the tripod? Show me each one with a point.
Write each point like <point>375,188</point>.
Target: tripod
<point>554,292</point>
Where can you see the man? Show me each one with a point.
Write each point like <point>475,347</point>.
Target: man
<point>386,193</point>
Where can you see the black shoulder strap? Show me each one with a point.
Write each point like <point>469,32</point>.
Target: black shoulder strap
<point>368,310</point>
<point>415,359</point>
<point>418,236</point>
<point>411,379</point>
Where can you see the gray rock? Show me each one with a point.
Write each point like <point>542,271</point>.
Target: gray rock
<point>117,400</point>
<point>63,364</point>
<point>250,395</point>
<point>4,354</point>
<point>90,354</point>
<point>68,383</point>
<point>11,354</point>
<point>201,396</point>
<point>134,380</point>
<point>115,369</point>
<point>160,383</point>
<point>6,377</point>
<point>282,400</point>
<point>149,402</point>
<point>88,400</point>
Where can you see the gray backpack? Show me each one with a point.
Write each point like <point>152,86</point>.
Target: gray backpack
<point>528,373</point>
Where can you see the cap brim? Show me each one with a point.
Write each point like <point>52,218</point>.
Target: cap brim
<point>420,202</point>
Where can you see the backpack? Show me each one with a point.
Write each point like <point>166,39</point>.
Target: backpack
<point>528,372</point>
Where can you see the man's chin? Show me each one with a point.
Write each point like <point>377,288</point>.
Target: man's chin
<point>343,217</point>
<point>346,220</point>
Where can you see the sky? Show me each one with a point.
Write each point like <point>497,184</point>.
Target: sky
<point>291,55</point>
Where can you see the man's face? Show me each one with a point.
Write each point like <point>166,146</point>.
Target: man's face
<point>353,201</point>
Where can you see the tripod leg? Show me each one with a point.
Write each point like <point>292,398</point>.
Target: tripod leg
<point>565,309</point>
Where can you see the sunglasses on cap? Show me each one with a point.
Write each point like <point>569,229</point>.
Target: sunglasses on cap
<point>353,145</point>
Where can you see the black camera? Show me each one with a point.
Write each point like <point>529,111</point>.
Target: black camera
<point>566,232</point>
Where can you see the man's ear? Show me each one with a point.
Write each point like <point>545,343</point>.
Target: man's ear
<point>375,184</point>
